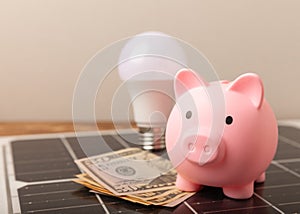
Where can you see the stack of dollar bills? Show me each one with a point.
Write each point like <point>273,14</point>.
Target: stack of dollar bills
<point>132,174</point>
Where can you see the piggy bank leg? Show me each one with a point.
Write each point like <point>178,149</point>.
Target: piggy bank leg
<point>185,185</point>
<point>239,192</point>
<point>261,178</point>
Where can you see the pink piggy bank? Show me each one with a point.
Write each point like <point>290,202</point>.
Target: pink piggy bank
<point>229,146</point>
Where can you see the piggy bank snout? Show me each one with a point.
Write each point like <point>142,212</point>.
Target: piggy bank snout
<point>197,147</point>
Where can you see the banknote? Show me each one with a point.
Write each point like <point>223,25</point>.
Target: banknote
<point>129,171</point>
<point>146,196</point>
<point>106,192</point>
<point>170,197</point>
<point>85,178</point>
<point>132,174</point>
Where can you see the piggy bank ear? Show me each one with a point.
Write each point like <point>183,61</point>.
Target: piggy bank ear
<point>251,86</point>
<point>185,80</point>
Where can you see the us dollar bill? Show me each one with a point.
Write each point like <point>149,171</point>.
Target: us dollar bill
<point>102,191</point>
<point>129,171</point>
<point>86,180</point>
<point>167,197</point>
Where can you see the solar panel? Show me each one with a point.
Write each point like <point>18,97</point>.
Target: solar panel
<point>39,171</point>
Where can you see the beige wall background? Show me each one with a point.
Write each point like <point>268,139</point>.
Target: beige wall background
<point>45,44</point>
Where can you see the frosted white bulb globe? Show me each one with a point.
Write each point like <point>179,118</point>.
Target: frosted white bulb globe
<point>147,64</point>
<point>148,52</point>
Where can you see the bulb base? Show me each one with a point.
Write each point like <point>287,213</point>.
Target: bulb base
<point>152,138</point>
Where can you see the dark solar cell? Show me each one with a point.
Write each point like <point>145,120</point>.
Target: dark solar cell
<point>93,145</point>
<point>286,151</point>
<point>291,133</point>
<point>41,160</point>
<point>277,176</point>
<point>64,197</point>
<point>286,198</point>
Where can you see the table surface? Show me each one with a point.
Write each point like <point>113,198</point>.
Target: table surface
<point>23,128</point>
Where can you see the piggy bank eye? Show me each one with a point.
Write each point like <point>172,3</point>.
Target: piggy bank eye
<point>188,114</point>
<point>229,120</point>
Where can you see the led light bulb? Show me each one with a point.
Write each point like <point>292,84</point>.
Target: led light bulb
<point>147,64</point>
